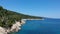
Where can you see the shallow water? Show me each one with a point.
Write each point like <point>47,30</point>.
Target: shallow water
<point>46,26</point>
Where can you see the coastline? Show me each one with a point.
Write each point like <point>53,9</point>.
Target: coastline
<point>32,19</point>
<point>15,27</point>
<point>11,21</point>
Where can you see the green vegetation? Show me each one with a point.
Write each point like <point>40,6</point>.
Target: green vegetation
<point>7,17</point>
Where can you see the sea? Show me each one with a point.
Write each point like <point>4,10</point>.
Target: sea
<point>46,26</point>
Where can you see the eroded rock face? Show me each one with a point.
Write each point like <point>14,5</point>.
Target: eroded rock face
<point>2,30</point>
<point>15,27</point>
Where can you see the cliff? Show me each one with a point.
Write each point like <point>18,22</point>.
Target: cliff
<point>10,20</point>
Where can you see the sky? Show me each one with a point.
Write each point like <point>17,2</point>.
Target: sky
<point>43,8</point>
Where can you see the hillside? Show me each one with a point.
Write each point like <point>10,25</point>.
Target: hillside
<point>7,17</point>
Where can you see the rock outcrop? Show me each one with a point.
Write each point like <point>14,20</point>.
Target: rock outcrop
<point>15,27</point>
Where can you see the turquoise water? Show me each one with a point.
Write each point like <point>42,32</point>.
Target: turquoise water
<point>47,26</point>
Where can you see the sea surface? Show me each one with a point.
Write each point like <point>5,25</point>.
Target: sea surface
<point>46,26</point>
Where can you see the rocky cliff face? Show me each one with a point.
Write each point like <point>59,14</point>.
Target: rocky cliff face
<point>15,27</point>
<point>11,21</point>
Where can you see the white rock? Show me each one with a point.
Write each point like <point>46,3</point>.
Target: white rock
<point>15,27</point>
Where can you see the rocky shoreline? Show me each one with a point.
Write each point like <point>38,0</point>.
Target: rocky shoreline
<point>15,27</point>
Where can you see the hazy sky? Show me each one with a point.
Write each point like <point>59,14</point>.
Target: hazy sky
<point>45,8</point>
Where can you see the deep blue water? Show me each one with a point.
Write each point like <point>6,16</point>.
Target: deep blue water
<point>46,26</point>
